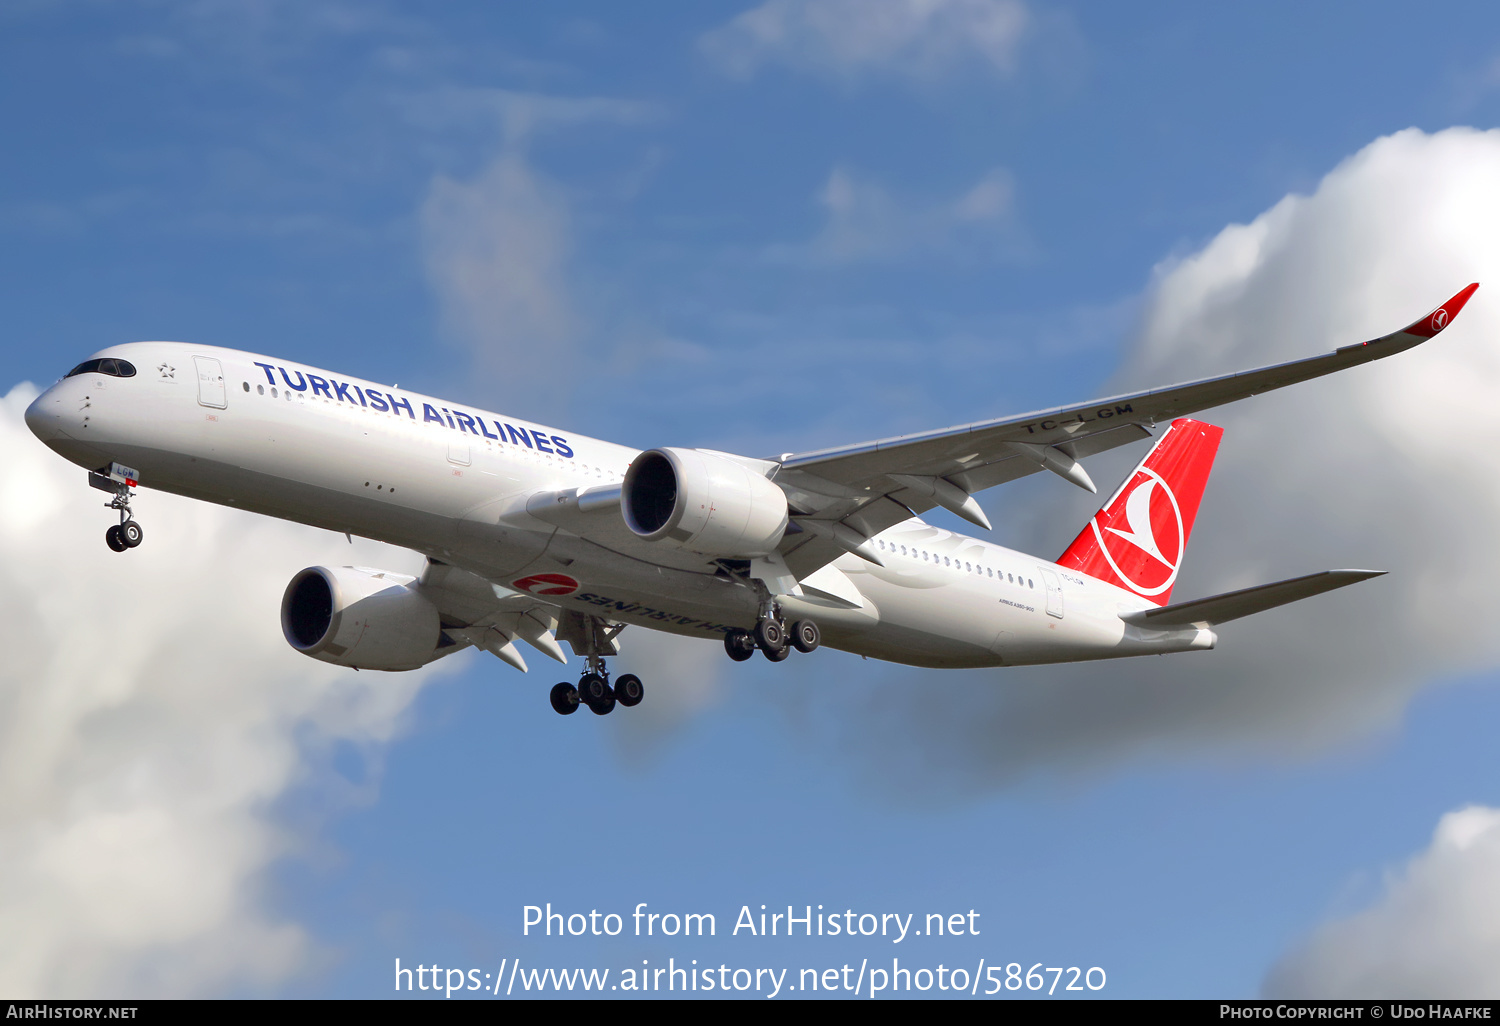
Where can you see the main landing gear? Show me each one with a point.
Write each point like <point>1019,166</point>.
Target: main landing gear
<point>127,534</point>
<point>594,638</point>
<point>594,691</point>
<point>773,639</point>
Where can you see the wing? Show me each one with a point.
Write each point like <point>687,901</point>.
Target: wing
<point>474,611</point>
<point>841,497</point>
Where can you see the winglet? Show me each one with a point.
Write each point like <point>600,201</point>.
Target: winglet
<point>1441,317</point>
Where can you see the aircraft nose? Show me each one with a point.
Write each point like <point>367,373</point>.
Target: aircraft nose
<point>44,416</point>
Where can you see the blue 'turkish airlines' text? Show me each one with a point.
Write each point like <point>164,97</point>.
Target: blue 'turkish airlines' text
<point>388,402</point>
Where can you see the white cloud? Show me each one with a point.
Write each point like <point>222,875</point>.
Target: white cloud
<point>1434,933</point>
<point>865,222</point>
<point>1392,466</point>
<point>521,116</point>
<point>151,716</point>
<point>682,679</point>
<point>496,250</point>
<point>844,38</point>
<point>497,246</point>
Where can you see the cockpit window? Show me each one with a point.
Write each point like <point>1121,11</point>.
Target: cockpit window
<point>114,368</point>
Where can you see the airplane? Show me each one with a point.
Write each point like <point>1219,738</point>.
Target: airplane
<point>537,535</point>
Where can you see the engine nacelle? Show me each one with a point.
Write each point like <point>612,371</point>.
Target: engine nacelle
<point>703,502</point>
<point>369,619</point>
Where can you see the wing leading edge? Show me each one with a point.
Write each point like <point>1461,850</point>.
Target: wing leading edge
<point>869,487</point>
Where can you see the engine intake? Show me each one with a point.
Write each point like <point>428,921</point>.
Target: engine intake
<point>369,619</point>
<point>703,502</point>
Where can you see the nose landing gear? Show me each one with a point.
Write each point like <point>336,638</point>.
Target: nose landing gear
<point>127,534</point>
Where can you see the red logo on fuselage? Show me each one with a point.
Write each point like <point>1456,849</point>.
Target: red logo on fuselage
<point>546,584</point>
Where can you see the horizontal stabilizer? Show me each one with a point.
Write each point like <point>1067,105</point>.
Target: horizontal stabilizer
<point>1232,605</point>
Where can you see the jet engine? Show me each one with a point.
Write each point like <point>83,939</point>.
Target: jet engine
<point>368,619</point>
<point>703,502</point>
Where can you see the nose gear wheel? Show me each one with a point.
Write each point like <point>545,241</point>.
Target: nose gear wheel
<point>127,534</point>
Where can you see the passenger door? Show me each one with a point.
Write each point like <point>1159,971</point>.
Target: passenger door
<point>211,391</point>
<point>1054,592</point>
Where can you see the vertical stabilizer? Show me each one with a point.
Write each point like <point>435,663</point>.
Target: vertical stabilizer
<point>1137,540</point>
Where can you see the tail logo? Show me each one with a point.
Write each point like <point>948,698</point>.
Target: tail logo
<point>1146,529</point>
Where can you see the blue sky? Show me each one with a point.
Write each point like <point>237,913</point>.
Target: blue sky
<point>651,224</point>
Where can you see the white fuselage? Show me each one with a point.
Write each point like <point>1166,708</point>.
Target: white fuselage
<point>453,482</point>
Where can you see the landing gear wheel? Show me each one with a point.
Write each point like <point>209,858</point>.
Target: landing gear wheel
<point>130,533</point>
<point>740,645</point>
<point>603,707</point>
<point>564,699</point>
<point>113,540</point>
<point>776,655</point>
<point>805,636</point>
<point>628,690</point>
<point>770,635</point>
<point>593,689</point>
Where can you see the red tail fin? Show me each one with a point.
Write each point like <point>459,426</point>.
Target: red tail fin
<point>1137,540</point>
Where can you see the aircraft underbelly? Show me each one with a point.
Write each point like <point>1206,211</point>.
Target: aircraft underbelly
<point>287,499</point>
<point>949,620</point>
